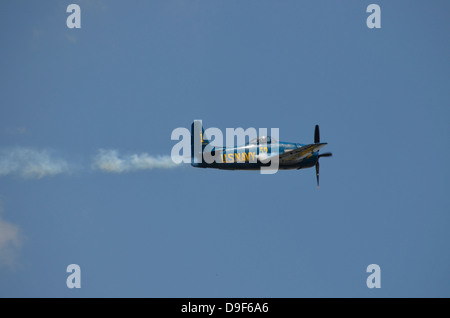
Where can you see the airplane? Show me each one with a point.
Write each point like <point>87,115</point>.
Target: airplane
<point>251,155</point>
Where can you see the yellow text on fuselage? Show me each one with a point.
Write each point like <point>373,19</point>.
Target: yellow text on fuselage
<point>238,157</point>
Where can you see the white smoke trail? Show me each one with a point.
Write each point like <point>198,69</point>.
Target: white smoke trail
<point>29,163</point>
<point>110,161</point>
<point>36,164</point>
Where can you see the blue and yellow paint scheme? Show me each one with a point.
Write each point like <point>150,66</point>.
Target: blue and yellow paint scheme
<point>249,156</point>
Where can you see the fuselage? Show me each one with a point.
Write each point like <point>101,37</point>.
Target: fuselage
<point>251,157</point>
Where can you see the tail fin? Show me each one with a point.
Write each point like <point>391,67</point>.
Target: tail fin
<point>198,141</point>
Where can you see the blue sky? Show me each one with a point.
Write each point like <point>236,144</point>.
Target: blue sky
<point>137,70</point>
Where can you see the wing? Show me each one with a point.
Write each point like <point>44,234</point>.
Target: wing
<point>300,153</point>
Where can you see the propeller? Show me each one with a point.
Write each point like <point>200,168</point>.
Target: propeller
<point>316,135</point>
<point>326,154</point>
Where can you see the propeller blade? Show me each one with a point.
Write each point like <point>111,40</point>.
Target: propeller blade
<point>316,135</point>
<point>326,154</point>
<point>317,174</point>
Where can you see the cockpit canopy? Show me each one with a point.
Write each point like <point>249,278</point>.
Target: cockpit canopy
<point>262,140</point>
